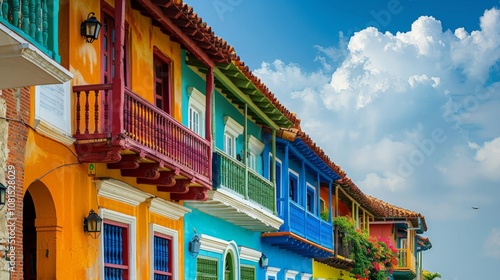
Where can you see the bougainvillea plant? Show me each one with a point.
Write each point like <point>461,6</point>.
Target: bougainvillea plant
<point>373,257</point>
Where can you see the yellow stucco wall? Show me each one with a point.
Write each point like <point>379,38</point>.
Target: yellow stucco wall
<point>85,61</point>
<point>323,271</point>
<point>63,192</point>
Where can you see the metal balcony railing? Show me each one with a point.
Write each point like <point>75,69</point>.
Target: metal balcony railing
<point>231,175</point>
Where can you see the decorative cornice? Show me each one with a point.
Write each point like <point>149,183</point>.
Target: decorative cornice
<point>167,209</point>
<point>232,125</point>
<point>250,254</point>
<point>272,271</point>
<point>305,276</point>
<point>255,145</point>
<point>196,96</point>
<point>121,191</point>
<point>53,132</point>
<point>213,244</point>
<point>44,62</point>
<point>290,273</point>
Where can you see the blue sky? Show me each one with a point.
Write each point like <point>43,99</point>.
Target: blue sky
<point>408,107</point>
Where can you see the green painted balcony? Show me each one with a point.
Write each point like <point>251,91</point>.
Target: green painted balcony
<point>240,195</point>
<point>29,44</point>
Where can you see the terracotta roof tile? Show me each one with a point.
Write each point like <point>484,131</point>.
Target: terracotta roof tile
<point>217,48</point>
<point>392,211</point>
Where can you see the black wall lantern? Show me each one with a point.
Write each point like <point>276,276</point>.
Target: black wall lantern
<point>90,28</point>
<point>194,245</point>
<point>263,261</point>
<point>92,224</point>
<point>2,194</point>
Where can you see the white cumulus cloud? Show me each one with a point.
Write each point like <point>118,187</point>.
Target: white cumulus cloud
<point>492,244</point>
<point>488,157</point>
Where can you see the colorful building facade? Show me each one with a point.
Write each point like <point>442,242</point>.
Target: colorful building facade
<point>402,228</point>
<point>193,166</point>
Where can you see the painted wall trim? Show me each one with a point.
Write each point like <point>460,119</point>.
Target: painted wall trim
<point>121,191</point>
<point>255,146</point>
<point>232,126</point>
<point>305,276</point>
<point>175,248</point>
<point>272,272</point>
<point>250,254</point>
<point>213,244</point>
<point>167,209</point>
<point>52,132</point>
<point>290,273</point>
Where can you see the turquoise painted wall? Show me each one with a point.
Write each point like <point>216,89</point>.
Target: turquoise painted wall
<point>209,225</point>
<point>222,108</point>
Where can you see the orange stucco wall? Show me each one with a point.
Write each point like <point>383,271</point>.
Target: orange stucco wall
<point>385,231</point>
<point>62,190</point>
<point>344,210</point>
<point>85,60</point>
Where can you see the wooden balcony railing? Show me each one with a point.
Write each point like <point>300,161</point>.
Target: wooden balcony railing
<point>150,128</point>
<point>342,248</point>
<point>309,226</point>
<point>406,260</point>
<point>231,175</point>
<point>35,19</point>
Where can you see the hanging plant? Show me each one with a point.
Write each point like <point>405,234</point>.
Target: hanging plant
<point>373,257</point>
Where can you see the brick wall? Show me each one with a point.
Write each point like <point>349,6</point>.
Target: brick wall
<point>14,110</point>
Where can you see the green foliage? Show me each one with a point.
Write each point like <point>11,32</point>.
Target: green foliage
<point>373,257</point>
<point>431,275</point>
<point>325,215</point>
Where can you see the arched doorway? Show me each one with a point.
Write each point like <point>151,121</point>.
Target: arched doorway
<point>29,238</point>
<point>40,233</point>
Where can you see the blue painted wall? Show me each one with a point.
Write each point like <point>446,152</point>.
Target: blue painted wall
<point>215,227</point>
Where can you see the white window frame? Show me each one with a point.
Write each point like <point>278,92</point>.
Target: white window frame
<point>154,228</point>
<point>255,148</point>
<point>107,214</point>
<point>232,130</point>
<point>197,103</point>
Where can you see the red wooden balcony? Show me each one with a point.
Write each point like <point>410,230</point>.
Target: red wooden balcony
<point>153,146</point>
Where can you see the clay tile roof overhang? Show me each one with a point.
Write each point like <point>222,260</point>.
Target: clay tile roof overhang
<point>344,182</point>
<point>179,21</point>
<point>393,212</point>
<point>250,90</point>
<point>262,96</point>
